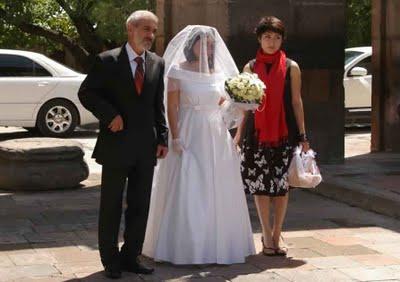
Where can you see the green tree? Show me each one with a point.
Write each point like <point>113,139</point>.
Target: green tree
<point>358,16</point>
<point>84,27</point>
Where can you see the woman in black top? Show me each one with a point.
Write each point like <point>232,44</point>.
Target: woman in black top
<point>271,132</point>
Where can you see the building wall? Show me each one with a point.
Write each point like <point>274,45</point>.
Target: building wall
<point>176,14</point>
<point>315,39</point>
<point>316,35</point>
<point>386,75</point>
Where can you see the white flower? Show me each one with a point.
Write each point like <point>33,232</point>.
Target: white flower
<point>245,87</point>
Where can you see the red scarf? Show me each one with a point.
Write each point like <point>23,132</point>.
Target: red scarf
<point>270,121</point>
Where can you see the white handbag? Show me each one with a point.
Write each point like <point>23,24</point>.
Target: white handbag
<point>303,170</point>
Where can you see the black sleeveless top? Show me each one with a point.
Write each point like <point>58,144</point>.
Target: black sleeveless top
<point>293,130</point>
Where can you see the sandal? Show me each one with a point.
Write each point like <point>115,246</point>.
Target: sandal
<point>281,251</point>
<point>268,251</point>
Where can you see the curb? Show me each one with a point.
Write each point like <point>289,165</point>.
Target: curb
<point>361,196</point>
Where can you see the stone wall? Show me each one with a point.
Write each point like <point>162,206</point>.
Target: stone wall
<point>386,75</point>
<point>176,14</point>
<point>316,35</point>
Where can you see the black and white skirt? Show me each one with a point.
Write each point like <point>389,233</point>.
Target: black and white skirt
<point>265,170</point>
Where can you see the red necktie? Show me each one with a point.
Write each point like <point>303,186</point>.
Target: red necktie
<point>139,75</point>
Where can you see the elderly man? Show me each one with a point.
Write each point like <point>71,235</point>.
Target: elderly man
<point>124,90</point>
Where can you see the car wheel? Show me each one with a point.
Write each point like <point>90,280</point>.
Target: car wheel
<point>57,118</point>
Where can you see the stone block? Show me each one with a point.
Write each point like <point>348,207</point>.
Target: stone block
<point>41,164</point>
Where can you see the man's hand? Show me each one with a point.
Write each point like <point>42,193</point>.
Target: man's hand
<point>162,151</point>
<point>117,124</point>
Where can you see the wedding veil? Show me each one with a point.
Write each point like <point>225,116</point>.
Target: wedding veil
<point>198,52</point>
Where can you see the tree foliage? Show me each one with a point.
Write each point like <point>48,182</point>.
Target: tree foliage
<point>87,27</point>
<point>358,16</point>
<point>84,27</point>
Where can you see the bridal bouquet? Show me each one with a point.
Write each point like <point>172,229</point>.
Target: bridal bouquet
<point>246,92</point>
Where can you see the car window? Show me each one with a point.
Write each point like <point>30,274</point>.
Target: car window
<point>366,64</point>
<point>38,70</point>
<point>15,65</point>
<point>351,55</point>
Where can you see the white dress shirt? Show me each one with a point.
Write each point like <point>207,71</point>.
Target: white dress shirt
<point>131,56</point>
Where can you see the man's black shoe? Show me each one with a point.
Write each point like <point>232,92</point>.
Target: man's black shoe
<point>112,272</point>
<point>137,268</point>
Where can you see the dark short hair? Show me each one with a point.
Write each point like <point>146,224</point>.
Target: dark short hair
<point>270,23</point>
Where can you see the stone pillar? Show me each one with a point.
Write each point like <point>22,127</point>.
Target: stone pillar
<point>176,14</point>
<point>386,75</point>
<point>316,40</point>
<point>316,35</point>
<point>160,36</point>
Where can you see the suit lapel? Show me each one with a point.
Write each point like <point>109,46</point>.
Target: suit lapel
<point>126,71</point>
<point>148,71</point>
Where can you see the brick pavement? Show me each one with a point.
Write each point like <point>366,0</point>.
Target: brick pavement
<point>51,236</point>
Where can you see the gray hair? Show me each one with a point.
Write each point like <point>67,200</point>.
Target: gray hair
<point>138,15</point>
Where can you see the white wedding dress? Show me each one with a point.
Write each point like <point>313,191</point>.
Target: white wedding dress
<point>198,211</point>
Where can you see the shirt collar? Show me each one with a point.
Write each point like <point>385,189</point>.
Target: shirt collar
<point>132,54</point>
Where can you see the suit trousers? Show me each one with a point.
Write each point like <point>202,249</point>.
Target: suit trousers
<point>138,192</point>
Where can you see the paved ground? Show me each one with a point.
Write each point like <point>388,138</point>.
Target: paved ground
<point>357,142</point>
<point>367,180</point>
<point>51,236</point>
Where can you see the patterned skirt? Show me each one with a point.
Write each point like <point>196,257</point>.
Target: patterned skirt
<point>264,169</point>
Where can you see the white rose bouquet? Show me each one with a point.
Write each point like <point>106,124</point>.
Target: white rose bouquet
<point>246,92</point>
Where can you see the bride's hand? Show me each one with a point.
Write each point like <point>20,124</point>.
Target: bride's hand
<point>177,146</point>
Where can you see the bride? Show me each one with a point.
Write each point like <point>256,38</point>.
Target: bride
<point>198,211</point>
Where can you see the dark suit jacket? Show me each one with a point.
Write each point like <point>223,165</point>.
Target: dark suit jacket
<point>109,90</point>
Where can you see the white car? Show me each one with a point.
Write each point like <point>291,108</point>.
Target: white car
<point>357,83</point>
<point>39,93</point>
